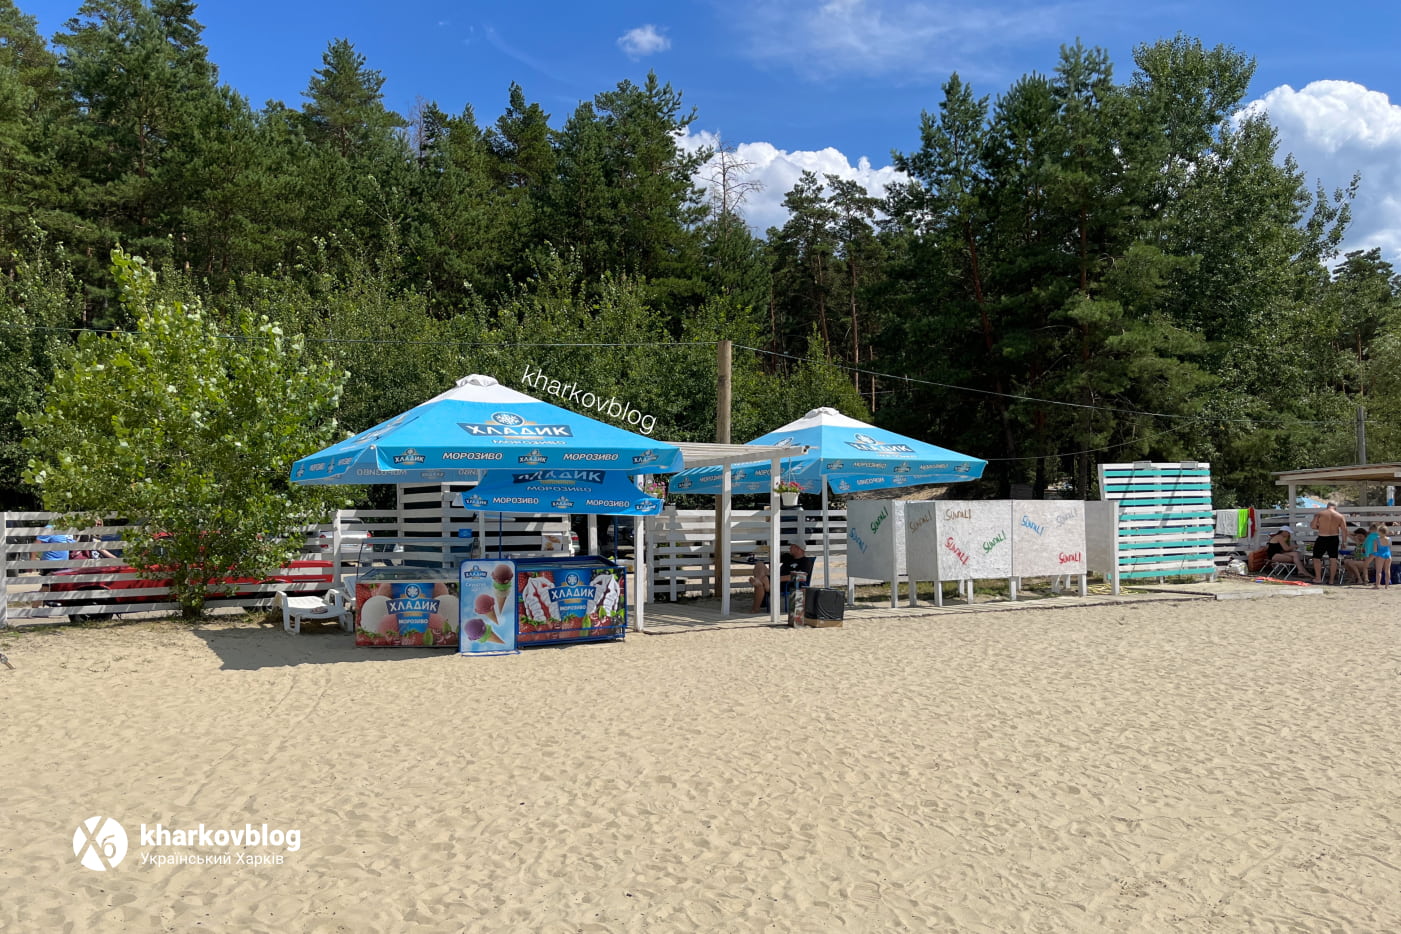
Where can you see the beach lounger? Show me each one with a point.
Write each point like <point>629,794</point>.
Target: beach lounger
<point>296,609</point>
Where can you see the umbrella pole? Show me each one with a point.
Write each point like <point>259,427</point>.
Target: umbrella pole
<point>722,543</point>
<point>775,593</point>
<point>826,539</point>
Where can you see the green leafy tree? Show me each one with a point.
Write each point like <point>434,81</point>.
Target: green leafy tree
<point>187,425</point>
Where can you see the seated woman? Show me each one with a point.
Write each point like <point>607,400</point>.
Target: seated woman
<point>1280,549</point>
<point>1356,563</point>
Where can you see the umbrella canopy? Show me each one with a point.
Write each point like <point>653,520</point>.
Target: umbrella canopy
<point>477,426</point>
<point>552,492</point>
<point>851,454</point>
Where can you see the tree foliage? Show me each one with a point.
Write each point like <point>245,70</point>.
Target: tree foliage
<point>188,425</point>
<point>1079,268</point>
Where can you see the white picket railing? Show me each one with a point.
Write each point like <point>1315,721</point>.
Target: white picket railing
<point>681,545</point>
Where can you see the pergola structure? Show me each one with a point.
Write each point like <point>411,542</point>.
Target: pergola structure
<point>700,454</point>
<point>1385,474</point>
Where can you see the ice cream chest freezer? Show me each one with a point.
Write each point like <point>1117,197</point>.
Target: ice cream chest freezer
<point>406,607</point>
<point>569,599</point>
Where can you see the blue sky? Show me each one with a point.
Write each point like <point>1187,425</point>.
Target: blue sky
<point>834,86</point>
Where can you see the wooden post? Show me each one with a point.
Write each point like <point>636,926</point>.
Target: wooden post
<point>719,552</point>
<point>4,570</point>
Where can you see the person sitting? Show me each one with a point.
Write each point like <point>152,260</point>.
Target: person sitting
<point>795,560</point>
<point>52,538</point>
<point>1356,563</point>
<point>1279,549</point>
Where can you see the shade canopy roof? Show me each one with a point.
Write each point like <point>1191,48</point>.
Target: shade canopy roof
<point>850,454</point>
<point>480,425</point>
<point>1359,473</point>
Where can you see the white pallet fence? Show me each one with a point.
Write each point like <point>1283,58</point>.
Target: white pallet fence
<point>681,543</point>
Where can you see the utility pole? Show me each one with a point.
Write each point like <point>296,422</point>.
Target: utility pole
<point>722,392</point>
<point>1361,435</point>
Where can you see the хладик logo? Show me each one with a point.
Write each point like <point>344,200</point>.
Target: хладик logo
<point>100,843</point>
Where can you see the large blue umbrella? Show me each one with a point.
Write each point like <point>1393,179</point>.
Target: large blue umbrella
<point>480,425</point>
<point>851,454</point>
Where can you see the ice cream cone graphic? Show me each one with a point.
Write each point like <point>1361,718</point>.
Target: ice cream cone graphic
<point>502,577</point>
<point>486,605</point>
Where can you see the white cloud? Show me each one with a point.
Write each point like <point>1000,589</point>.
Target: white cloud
<point>899,38</point>
<point>644,40</point>
<point>777,170</point>
<point>1337,128</point>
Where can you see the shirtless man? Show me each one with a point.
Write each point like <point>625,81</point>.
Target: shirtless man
<point>1330,525</point>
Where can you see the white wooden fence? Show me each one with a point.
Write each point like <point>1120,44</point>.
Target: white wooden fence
<point>424,532</point>
<point>680,547</point>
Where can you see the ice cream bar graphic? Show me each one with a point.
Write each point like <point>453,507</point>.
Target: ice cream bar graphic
<point>485,606</point>
<point>535,600</point>
<point>605,594</point>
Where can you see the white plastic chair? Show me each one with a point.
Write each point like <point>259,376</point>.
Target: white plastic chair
<point>296,609</point>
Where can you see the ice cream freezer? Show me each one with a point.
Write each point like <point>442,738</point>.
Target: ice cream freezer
<point>550,601</point>
<point>406,607</point>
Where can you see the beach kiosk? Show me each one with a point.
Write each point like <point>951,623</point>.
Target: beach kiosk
<point>527,456</point>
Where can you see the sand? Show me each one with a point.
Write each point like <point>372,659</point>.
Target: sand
<point>1199,766</point>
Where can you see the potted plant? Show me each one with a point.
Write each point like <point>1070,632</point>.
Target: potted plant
<point>654,486</point>
<point>787,491</point>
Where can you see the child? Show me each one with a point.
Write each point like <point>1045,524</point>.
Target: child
<point>1383,554</point>
<point>1369,550</point>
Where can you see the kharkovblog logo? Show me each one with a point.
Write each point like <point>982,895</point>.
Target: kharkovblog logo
<point>99,843</point>
<point>410,458</point>
<point>511,425</point>
<point>863,442</point>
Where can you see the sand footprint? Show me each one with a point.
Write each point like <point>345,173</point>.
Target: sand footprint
<point>865,893</point>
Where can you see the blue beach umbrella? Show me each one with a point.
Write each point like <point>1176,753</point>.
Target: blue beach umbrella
<point>850,454</point>
<point>479,426</point>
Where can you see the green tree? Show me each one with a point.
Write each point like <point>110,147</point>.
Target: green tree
<point>140,78</point>
<point>39,302</point>
<point>31,102</point>
<point>804,271</point>
<point>188,425</point>
<point>625,199</point>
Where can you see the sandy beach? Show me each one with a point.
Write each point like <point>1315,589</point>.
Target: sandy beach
<point>1185,766</point>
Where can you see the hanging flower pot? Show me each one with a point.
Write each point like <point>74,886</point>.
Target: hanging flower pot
<point>787,492</point>
<point>789,500</point>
